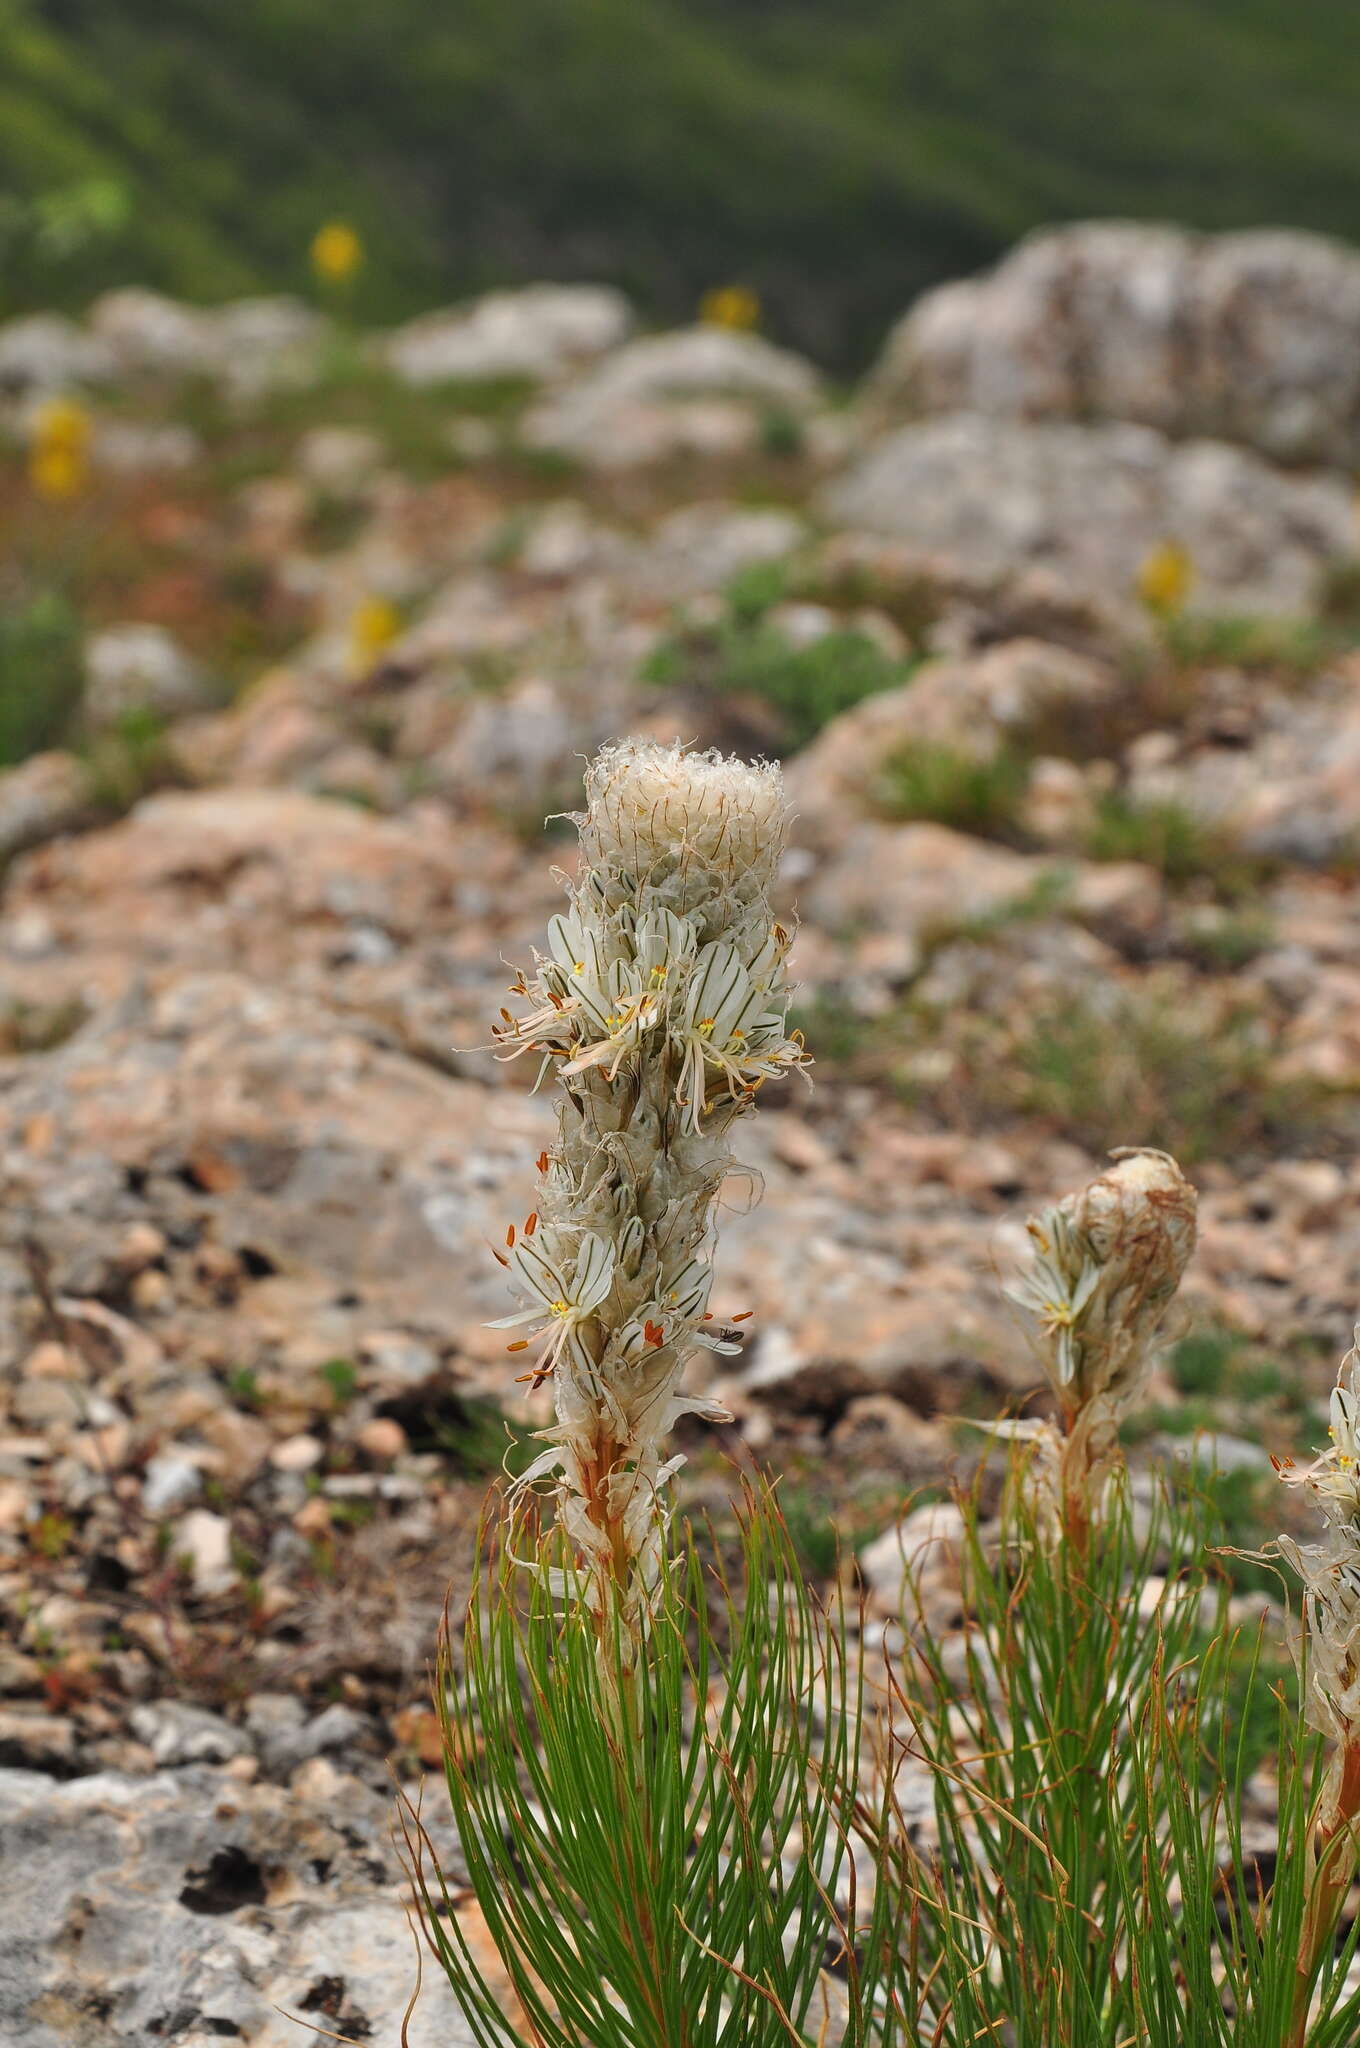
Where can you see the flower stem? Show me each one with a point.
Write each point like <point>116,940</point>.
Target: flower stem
<point>1331,1880</point>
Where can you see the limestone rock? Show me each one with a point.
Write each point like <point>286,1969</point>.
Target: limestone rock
<point>42,354</point>
<point>538,332</point>
<point>188,1905</point>
<point>698,390</point>
<point>1018,692</point>
<point>1250,337</point>
<point>137,668</point>
<point>46,795</point>
<point>1094,501</point>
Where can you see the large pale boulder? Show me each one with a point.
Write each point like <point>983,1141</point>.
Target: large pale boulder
<point>45,352</point>
<point>538,332</point>
<point>192,1905</point>
<point>697,391</point>
<point>1251,337</point>
<point>1093,502</point>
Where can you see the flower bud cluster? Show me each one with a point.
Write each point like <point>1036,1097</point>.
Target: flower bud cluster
<point>661,1005</point>
<point>1107,1262</point>
<point>1330,1574</point>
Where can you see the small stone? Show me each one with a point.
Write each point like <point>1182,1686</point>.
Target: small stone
<point>139,668</point>
<point>398,1360</point>
<point>927,1545</point>
<point>151,1291</point>
<point>177,1733</point>
<point>53,1361</point>
<point>317,1781</point>
<point>313,1518</point>
<point>382,1438</point>
<point>297,1454</point>
<point>204,1539</point>
<point>141,1245</point>
<point>37,1742</point>
<point>171,1481</point>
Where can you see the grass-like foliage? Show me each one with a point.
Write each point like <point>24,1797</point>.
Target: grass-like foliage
<point>1088,1884</point>
<point>659,1843</point>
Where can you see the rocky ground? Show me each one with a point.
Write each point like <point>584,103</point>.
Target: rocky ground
<point>1057,625</point>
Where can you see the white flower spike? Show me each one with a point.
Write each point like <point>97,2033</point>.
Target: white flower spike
<point>661,1006</point>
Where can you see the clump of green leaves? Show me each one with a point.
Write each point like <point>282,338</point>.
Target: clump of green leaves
<point>746,654</point>
<point>1170,837</point>
<point>979,793</point>
<point>1184,1076</point>
<point>131,760</point>
<point>1292,647</point>
<point>41,674</point>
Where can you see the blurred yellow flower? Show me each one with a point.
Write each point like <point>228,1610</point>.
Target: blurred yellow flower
<point>1164,577</point>
<point>730,305</point>
<point>374,625</point>
<point>59,449</point>
<point>337,252</point>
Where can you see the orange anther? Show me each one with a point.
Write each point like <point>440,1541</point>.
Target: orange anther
<point>531,1223</point>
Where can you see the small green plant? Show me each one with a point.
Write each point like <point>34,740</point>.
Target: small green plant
<point>979,793</point>
<point>911,598</point>
<point>1201,1361</point>
<point>747,654</point>
<point>1198,1081</point>
<point>1290,647</point>
<point>1222,939</point>
<point>756,589</point>
<point>130,761</point>
<point>1171,838</point>
<point>781,434</point>
<point>342,1377</point>
<point>41,674</point>
<point>243,1384</point>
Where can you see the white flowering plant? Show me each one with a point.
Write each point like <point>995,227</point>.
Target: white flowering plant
<point>695,1807</point>
<point>1085,1877</point>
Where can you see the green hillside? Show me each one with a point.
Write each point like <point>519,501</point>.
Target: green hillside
<point>837,154</point>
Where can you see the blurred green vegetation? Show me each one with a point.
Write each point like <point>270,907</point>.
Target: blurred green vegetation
<point>41,674</point>
<point>805,686</point>
<point>835,160</point>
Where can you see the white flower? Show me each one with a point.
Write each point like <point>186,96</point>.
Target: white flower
<point>561,1303</point>
<point>730,1026</point>
<point>1330,1574</point>
<point>1333,1478</point>
<point>1057,1287</point>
